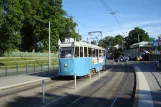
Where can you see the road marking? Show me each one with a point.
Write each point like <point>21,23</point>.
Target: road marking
<point>145,97</point>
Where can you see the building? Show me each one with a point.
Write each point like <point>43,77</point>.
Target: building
<point>138,49</point>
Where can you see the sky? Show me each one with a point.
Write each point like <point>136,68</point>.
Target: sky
<point>92,15</point>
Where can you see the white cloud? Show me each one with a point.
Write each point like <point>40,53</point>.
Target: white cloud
<point>134,24</point>
<point>153,32</point>
<point>148,26</point>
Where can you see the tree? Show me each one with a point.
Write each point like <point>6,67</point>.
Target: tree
<point>134,34</point>
<point>69,30</point>
<point>102,43</point>
<point>94,42</point>
<point>11,17</point>
<point>38,13</point>
<point>151,39</point>
<point>117,40</point>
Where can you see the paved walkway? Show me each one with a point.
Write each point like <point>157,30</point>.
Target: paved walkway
<point>143,90</point>
<point>13,81</point>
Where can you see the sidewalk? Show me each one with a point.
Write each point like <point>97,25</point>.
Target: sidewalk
<point>14,81</point>
<point>143,96</point>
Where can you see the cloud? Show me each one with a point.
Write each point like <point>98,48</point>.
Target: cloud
<point>143,23</point>
<point>153,32</point>
<point>113,30</point>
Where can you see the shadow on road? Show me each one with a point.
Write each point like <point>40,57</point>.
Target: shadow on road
<point>84,101</point>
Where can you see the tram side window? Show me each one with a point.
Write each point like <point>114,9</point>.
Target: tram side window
<point>81,51</point>
<point>85,51</point>
<point>93,52</point>
<point>76,52</point>
<point>96,52</point>
<point>100,53</point>
<point>104,53</point>
<point>90,52</point>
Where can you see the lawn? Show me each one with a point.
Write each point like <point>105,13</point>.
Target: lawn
<point>29,61</point>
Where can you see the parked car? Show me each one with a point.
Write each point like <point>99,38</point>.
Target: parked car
<point>122,59</point>
<point>119,59</point>
<point>126,58</point>
<point>139,58</point>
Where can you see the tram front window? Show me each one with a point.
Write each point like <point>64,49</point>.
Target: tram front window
<point>66,53</point>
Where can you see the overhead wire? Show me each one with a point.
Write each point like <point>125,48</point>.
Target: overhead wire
<point>112,13</point>
<point>81,23</point>
<point>133,8</point>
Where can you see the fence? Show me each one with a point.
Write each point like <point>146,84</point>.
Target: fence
<point>155,57</point>
<point>29,54</point>
<point>27,69</point>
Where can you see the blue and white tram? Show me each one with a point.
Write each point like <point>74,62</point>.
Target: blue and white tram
<point>80,58</point>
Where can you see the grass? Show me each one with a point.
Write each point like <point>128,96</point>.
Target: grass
<point>21,62</point>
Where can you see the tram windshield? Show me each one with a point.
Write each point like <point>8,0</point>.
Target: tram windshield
<point>66,52</point>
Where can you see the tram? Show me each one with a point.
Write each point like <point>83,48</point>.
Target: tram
<point>80,58</point>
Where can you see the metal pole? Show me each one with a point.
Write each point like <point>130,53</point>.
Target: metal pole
<point>75,81</point>
<point>43,92</point>
<point>90,76</point>
<point>139,45</point>
<point>17,68</point>
<point>6,70</point>
<point>98,71</point>
<point>49,44</point>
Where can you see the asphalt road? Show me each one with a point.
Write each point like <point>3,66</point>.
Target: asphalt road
<point>114,88</point>
<point>153,77</point>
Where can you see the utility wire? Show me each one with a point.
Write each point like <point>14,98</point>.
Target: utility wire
<point>81,23</point>
<point>112,13</point>
<point>132,8</point>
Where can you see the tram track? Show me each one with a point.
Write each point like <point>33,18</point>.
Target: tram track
<point>72,99</point>
<point>53,80</point>
<point>156,78</point>
<point>50,84</point>
<point>76,101</point>
<point>118,93</point>
<point>94,89</point>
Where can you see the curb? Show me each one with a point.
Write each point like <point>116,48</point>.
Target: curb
<point>135,104</point>
<point>21,84</point>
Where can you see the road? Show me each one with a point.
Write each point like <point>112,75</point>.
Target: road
<point>153,77</point>
<point>114,88</point>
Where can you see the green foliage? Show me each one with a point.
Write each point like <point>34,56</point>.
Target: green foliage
<point>159,48</point>
<point>25,25</point>
<point>133,36</point>
<point>93,42</point>
<point>112,41</point>
<point>11,17</point>
<point>151,39</point>
<point>117,52</point>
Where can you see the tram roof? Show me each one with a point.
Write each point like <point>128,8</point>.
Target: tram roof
<point>79,44</point>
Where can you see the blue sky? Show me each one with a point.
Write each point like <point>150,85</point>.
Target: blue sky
<point>91,15</point>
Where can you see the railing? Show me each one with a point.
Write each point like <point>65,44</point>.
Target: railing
<point>28,68</point>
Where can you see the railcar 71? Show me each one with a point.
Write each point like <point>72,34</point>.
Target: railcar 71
<point>80,58</point>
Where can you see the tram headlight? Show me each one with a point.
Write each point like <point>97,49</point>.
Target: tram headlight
<point>65,65</point>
